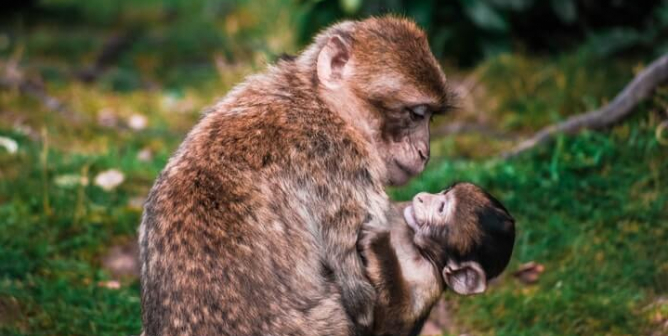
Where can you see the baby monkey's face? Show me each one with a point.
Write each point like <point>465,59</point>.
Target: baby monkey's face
<point>465,232</point>
<point>447,221</point>
<point>455,219</point>
<point>430,209</point>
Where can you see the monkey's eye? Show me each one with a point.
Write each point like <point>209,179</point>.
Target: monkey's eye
<point>418,112</point>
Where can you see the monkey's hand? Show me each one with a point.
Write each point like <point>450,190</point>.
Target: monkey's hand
<point>365,242</point>
<point>358,295</point>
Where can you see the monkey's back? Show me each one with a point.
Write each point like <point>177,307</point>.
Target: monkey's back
<point>230,237</point>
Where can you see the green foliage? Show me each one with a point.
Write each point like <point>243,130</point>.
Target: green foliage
<point>593,199</point>
<point>468,30</point>
<point>49,253</point>
<point>529,92</point>
<point>592,208</point>
<point>172,43</point>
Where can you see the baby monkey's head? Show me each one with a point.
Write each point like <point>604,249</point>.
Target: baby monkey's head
<point>465,232</point>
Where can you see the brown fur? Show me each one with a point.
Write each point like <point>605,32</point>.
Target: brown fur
<point>406,269</point>
<point>480,229</point>
<point>251,228</point>
<point>403,303</point>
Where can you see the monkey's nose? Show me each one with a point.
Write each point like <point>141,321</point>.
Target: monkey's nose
<point>422,155</point>
<point>423,151</point>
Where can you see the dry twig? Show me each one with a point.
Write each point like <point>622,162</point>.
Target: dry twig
<point>639,89</point>
<point>11,77</point>
<point>110,53</point>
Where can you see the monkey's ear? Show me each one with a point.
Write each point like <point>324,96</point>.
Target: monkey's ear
<point>465,278</point>
<point>331,62</point>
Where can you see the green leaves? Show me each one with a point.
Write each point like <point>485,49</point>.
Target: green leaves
<point>484,15</point>
<point>350,6</point>
<point>613,40</point>
<point>467,31</point>
<point>565,10</point>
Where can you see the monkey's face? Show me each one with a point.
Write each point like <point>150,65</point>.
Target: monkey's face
<point>465,232</point>
<point>458,218</point>
<point>383,75</point>
<point>403,88</point>
<point>400,108</point>
<point>404,142</point>
<point>430,210</point>
<point>432,217</point>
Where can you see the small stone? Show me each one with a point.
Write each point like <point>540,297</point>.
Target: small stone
<point>169,101</point>
<point>145,155</point>
<point>137,122</point>
<point>136,202</point>
<point>109,179</point>
<point>111,284</point>
<point>106,117</point>
<point>122,260</point>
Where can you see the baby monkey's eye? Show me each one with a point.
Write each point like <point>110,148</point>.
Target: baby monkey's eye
<point>441,207</point>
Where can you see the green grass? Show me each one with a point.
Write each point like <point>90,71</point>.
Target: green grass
<point>592,208</point>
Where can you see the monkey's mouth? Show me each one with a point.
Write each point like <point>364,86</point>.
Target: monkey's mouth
<point>406,169</point>
<point>409,216</point>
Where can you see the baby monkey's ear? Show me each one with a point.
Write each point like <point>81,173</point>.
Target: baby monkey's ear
<point>466,278</point>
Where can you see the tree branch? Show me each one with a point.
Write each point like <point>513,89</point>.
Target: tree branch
<point>11,77</point>
<point>640,88</point>
<point>110,53</point>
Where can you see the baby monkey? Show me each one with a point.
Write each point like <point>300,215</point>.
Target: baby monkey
<point>459,238</point>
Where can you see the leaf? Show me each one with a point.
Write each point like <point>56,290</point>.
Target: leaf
<point>70,180</point>
<point>484,15</point>
<point>529,273</point>
<point>610,41</point>
<point>661,14</point>
<point>516,5</point>
<point>137,122</point>
<point>493,47</point>
<point>109,179</point>
<point>350,6</point>
<point>110,284</point>
<point>565,10</point>
<point>422,12</point>
<point>9,144</point>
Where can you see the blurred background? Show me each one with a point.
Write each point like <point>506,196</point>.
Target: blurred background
<point>95,96</point>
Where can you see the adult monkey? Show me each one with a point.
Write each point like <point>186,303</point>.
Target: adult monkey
<point>251,229</point>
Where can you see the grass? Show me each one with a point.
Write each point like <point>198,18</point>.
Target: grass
<point>592,208</point>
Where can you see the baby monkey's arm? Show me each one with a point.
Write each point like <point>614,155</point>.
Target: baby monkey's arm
<point>387,252</point>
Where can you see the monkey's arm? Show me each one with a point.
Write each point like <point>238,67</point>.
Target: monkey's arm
<point>340,241</point>
<point>373,245</point>
<point>393,299</point>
